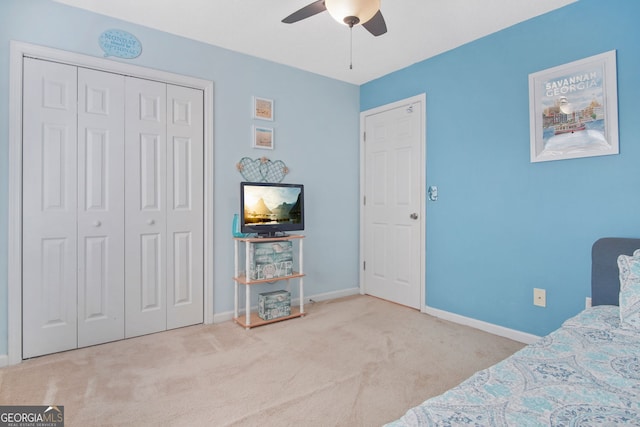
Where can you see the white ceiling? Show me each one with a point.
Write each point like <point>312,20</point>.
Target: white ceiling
<point>417,29</point>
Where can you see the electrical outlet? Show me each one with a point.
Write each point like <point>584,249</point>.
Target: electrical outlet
<point>539,297</point>
<point>587,302</point>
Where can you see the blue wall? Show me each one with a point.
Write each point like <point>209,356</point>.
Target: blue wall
<point>316,135</point>
<point>503,225</point>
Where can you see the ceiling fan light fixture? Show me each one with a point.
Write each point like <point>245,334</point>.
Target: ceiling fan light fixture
<point>344,11</point>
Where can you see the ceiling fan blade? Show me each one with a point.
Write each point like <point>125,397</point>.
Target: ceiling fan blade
<point>306,12</point>
<point>376,25</point>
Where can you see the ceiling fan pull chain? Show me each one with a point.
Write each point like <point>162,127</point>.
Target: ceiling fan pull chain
<point>351,47</point>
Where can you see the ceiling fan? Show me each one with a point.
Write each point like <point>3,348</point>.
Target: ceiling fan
<point>349,12</point>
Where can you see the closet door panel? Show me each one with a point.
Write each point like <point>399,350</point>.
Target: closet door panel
<point>145,207</point>
<point>100,207</point>
<point>185,219</point>
<point>49,208</point>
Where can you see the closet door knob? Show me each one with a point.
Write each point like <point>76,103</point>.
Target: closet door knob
<point>151,222</point>
<point>97,223</point>
<point>413,216</point>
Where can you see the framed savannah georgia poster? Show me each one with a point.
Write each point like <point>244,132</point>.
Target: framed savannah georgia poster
<point>573,109</point>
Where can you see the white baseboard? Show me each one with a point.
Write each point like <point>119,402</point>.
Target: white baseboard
<point>332,295</point>
<point>228,315</point>
<point>501,331</point>
<point>4,360</point>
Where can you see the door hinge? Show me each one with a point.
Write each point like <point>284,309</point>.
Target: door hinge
<point>364,200</point>
<point>364,136</point>
<point>364,265</point>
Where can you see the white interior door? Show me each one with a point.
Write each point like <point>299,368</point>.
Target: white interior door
<point>49,233</point>
<point>145,205</point>
<point>185,219</point>
<point>100,207</point>
<point>393,204</point>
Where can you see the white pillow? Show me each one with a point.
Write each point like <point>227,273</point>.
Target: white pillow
<point>629,290</point>
<point>630,305</point>
<point>629,267</point>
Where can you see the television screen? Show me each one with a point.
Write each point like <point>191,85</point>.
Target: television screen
<point>269,208</point>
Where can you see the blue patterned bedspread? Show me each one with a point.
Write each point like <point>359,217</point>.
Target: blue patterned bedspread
<point>586,373</point>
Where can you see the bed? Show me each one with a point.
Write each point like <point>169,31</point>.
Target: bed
<point>585,373</point>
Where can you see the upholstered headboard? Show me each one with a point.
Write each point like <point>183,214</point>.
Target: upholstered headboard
<point>605,282</point>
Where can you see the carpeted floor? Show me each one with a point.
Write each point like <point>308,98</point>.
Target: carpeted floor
<point>356,361</point>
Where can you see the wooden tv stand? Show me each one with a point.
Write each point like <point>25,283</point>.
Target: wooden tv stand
<point>251,320</point>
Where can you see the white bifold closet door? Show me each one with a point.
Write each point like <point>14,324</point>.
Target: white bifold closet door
<point>112,207</point>
<point>164,204</point>
<point>185,209</point>
<point>49,205</point>
<point>100,155</point>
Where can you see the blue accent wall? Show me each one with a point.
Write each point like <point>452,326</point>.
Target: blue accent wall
<point>316,135</point>
<point>502,225</point>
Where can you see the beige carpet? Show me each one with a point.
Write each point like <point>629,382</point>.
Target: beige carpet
<point>355,361</point>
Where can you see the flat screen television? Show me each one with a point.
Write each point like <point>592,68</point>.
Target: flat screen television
<point>271,209</point>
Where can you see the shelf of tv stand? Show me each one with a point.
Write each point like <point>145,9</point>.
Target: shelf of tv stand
<point>268,239</point>
<point>257,321</point>
<point>242,279</point>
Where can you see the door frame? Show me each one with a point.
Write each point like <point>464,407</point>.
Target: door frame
<point>18,50</point>
<point>422,99</point>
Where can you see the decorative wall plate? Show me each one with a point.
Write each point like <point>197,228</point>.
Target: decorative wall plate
<point>262,169</point>
<point>120,43</point>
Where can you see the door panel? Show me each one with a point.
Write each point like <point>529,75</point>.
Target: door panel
<point>100,207</point>
<point>185,220</point>
<point>95,301</point>
<point>145,201</point>
<point>53,270</point>
<point>182,262</point>
<point>392,235</point>
<point>151,273</point>
<point>149,169</point>
<point>182,170</point>
<point>49,208</point>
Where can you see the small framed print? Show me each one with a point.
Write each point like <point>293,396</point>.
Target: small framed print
<point>262,138</point>
<point>262,108</point>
